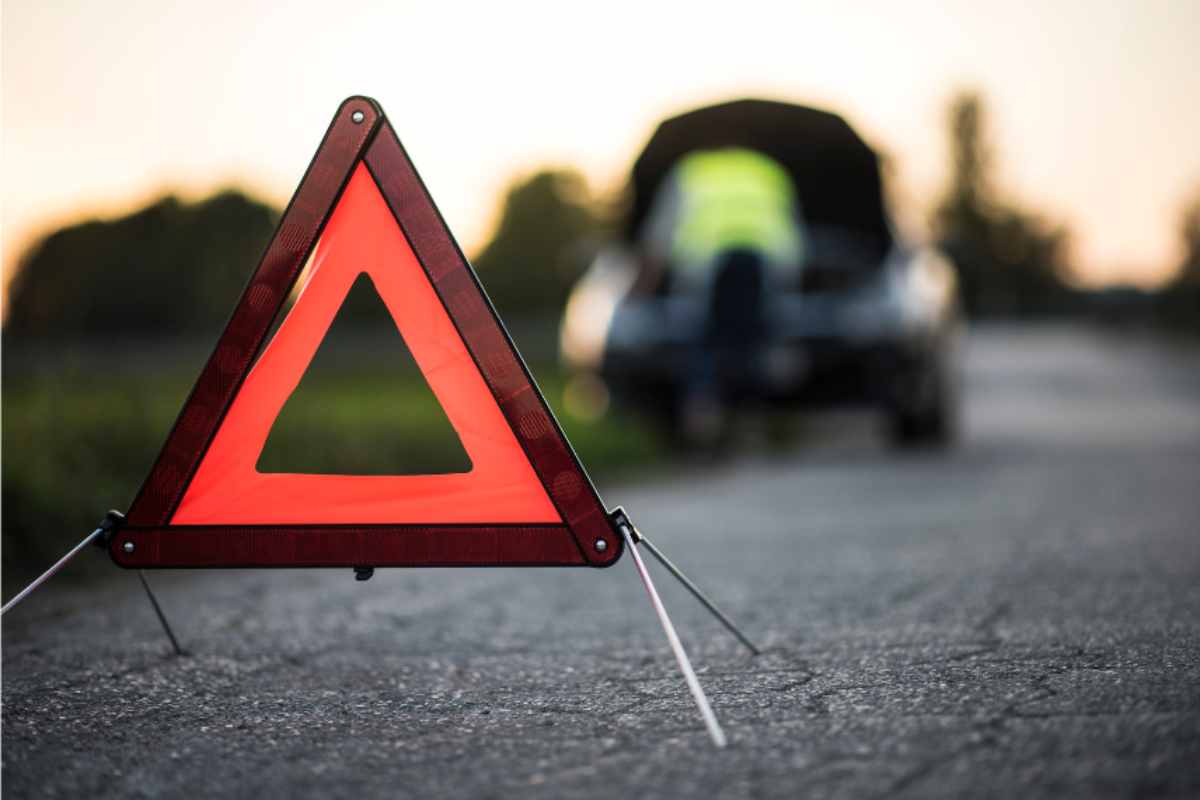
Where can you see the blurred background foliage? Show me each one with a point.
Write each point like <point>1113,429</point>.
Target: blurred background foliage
<point>1010,261</point>
<point>547,223</point>
<point>1015,262</point>
<point>174,269</point>
<point>167,270</point>
<point>109,322</point>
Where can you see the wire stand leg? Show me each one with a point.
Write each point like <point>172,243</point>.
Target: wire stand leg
<point>48,574</point>
<point>158,610</point>
<point>681,657</point>
<point>699,595</point>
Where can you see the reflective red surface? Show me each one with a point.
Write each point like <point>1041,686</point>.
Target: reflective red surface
<point>362,237</point>
<point>526,499</point>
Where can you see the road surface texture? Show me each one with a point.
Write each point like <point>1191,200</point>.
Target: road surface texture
<point>1018,618</point>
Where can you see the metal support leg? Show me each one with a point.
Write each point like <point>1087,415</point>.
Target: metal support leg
<point>158,610</point>
<point>685,665</point>
<point>111,521</point>
<point>699,595</point>
<point>620,518</point>
<point>48,574</point>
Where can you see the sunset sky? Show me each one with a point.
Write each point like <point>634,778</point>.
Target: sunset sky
<point>1095,106</point>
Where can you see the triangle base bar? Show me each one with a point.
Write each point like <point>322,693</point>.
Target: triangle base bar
<point>188,546</point>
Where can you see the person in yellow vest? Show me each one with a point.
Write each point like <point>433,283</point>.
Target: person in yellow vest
<point>725,230</point>
<point>717,201</point>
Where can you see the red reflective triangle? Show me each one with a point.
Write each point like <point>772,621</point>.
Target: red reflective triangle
<point>361,208</point>
<point>362,236</point>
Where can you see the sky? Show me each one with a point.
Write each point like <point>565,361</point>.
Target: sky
<point>104,106</point>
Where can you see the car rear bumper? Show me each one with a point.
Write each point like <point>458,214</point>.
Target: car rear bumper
<point>813,371</point>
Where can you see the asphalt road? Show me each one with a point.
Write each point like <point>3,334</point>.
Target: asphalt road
<point>1018,618</point>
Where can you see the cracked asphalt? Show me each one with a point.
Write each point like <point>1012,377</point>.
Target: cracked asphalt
<point>1018,617</point>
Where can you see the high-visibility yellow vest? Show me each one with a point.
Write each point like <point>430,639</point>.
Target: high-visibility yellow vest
<point>732,198</point>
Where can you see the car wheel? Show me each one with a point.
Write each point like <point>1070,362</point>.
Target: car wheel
<point>932,421</point>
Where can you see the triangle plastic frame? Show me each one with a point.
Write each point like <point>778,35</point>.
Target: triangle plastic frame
<point>584,536</point>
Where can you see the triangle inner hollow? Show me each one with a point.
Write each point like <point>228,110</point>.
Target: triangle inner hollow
<point>501,486</point>
<point>363,407</point>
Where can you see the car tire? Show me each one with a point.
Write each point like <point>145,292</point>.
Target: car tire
<point>925,429</point>
<point>933,421</point>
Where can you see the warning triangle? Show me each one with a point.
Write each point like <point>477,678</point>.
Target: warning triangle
<point>361,211</point>
<point>319,429</point>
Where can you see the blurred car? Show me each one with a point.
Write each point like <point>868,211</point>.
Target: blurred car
<point>861,316</point>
